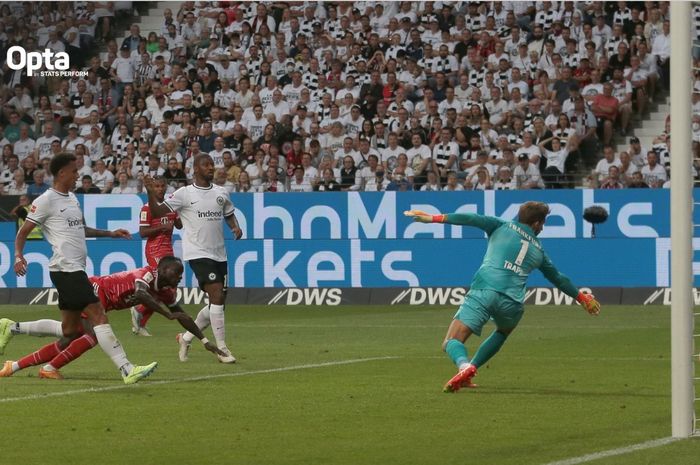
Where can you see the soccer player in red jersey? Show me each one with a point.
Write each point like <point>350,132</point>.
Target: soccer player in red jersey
<point>148,286</point>
<point>159,243</point>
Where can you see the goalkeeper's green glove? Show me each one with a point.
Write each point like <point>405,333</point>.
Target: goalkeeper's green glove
<point>423,217</point>
<point>588,302</point>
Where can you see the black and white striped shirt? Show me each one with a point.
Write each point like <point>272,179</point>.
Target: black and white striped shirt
<point>476,78</point>
<point>619,17</point>
<point>445,65</point>
<point>310,80</point>
<point>144,73</point>
<point>443,152</point>
<point>545,19</point>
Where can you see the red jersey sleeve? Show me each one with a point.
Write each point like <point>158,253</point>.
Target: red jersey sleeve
<point>144,275</point>
<point>145,217</point>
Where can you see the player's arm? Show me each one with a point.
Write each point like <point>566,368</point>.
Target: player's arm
<point>563,282</point>
<point>186,321</point>
<point>117,233</point>
<point>20,240</point>
<point>486,223</point>
<point>232,223</point>
<point>157,209</point>
<point>178,223</point>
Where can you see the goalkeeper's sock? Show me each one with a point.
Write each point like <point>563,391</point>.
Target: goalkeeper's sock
<point>457,353</point>
<point>489,348</point>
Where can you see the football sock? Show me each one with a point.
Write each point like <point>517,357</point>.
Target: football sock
<point>145,314</point>
<point>216,313</point>
<point>42,355</point>
<point>457,353</point>
<point>202,321</point>
<point>76,348</point>
<point>489,348</point>
<point>113,348</point>
<point>38,328</point>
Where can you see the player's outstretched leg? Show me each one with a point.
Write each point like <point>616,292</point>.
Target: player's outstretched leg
<point>74,350</point>
<point>42,355</point>
<point>490,347</point>
<point>457,335</point>
<point>5,333</point>
<point>112,347</point>
<point>9,328</point>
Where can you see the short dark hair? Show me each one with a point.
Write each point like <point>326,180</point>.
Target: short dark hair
<point>169,260</point>
<point>60,161</point>
<point>532,212</point>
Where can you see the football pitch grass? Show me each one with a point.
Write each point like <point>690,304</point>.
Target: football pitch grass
<point>356,386</point>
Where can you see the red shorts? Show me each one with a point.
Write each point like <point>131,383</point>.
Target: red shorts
<point>153,259</point>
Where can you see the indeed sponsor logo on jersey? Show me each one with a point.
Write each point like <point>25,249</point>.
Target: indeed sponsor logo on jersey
<point>210,214</point>
<point>75,222</point>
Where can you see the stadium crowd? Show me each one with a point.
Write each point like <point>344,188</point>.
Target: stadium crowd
<point>352,96</point>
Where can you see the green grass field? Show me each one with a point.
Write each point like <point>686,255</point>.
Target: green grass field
<point>358,385</point>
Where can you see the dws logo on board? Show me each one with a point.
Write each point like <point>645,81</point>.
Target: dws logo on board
<point>185,296</point>
<point>310,296</point>
<point>430,296</point>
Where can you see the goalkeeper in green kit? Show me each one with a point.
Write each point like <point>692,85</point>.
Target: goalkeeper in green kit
<point>497,291</point>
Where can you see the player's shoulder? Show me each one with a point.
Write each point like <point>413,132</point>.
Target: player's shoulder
<point>146,274</point>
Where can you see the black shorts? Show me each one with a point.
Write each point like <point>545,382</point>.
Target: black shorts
<point>209,271</point>
<point>75,292</point>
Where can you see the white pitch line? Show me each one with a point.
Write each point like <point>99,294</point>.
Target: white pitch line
<point>613,452</point>
<point>117,387</point>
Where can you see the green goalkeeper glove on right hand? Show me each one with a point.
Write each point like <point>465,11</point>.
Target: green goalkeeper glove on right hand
<point>588,302</point>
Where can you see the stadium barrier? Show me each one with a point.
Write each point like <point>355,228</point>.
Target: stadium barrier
<point>331,297</point>
<point>362,240</point>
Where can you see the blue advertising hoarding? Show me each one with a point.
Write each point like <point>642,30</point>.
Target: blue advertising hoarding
<point>363,239</point>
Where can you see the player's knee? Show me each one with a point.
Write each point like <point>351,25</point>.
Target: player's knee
<point>505,332</point>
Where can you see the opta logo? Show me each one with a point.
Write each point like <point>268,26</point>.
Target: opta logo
<point>34,61</point>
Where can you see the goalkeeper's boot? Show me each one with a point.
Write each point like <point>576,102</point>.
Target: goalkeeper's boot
<point>5,333</point>
<point>463,379</point>
<point>50,374</point>
<point>6,371</point>
<point>139,372</point>
<point>184,347</point>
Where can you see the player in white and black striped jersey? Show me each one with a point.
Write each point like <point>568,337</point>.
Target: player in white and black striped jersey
<point>58,213</point>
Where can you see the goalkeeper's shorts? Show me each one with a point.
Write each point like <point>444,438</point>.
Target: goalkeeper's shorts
<point>482,305</point>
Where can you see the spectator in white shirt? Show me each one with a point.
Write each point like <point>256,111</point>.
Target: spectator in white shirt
<point>609,159</point>
<point>661,49</point>
<point>556,159</point>
<point>654,174</point>
<point>526,174</point>
<point>298,183</point>
<point>452,184</point>
<point>123,185</point>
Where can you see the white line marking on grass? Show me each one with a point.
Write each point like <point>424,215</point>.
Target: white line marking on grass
<point>572,359</point>
<point>613,452</point>
<point>117,387</point>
